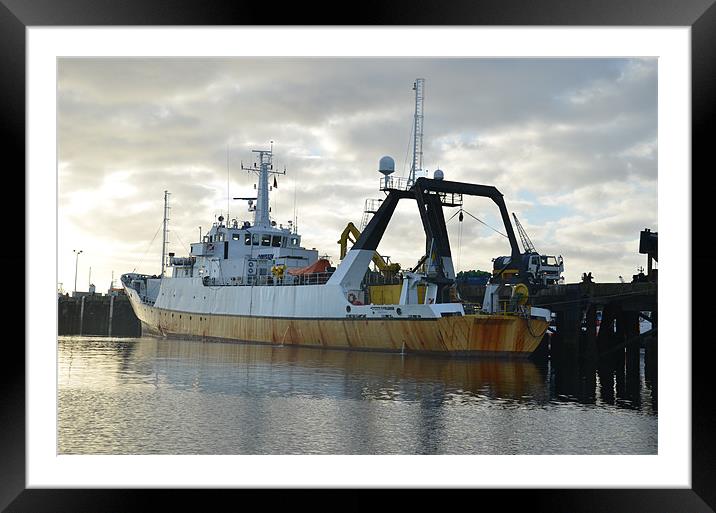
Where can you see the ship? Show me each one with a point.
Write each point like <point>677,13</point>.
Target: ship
<point>253,281</point>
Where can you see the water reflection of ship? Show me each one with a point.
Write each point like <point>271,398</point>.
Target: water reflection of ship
<point>293,370</point>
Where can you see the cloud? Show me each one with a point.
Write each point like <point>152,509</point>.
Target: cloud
<point>571,143</point>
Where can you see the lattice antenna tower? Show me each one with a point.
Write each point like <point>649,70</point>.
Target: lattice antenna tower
<point>164,230</point>
<point>417,166</point>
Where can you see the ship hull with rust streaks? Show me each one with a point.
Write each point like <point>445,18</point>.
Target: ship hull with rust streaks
<point>468,334</point>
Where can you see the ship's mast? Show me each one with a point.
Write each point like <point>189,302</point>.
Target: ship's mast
<point>417,166</point>
<point>164,230</point>
<point>264,167</point>
<point>261,216</point>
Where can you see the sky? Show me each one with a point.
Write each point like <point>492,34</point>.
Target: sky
<point>570,143</point>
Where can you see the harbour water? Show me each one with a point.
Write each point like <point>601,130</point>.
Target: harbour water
<point>167,396</point>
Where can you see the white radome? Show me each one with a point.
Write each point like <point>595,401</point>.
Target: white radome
<point>386,165</point>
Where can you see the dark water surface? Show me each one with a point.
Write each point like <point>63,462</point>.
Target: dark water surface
<point>167,396</point>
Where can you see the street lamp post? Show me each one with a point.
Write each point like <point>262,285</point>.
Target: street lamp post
<point>77,257</point>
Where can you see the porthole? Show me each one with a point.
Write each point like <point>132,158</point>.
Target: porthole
<point>398,311</point>
<point>348,309</point>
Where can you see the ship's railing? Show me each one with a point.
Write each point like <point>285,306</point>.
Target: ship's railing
<point>390,182</point>
<point>398,183</point>
<point>471,308</point>
<point>372,205</point>
<point>380,279</point>
<point>504,309</point>
<point>271,280</point>
<point>288,279</point>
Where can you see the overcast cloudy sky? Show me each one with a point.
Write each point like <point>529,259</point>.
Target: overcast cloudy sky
<point>571,143</point>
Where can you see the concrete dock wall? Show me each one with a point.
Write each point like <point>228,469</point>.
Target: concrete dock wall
<point>97,316</point>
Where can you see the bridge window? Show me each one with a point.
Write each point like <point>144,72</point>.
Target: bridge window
<point>255,239</point>
<point>294,241</point>
<point>276,241</point>
<point>235,236</point>
<point>265,240</point>
<point>247,239</point>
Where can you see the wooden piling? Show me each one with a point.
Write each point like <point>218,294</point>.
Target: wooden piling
<point>589,356</point>
<point>631,331</point>
<point>651,348</point>
<point>589,351</point>
<point>633,359</point>
<point>606,337</point>
<point>82,314</point>
<point>572,326</point>
<point>111,311</point>
<point>565,349</point>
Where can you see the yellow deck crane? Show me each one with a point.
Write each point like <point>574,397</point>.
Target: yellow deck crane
<point>386,293</point>
<point>351,233</point>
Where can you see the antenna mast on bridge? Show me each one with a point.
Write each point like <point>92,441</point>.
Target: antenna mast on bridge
<point>164,231</point>
<point>417,166</point>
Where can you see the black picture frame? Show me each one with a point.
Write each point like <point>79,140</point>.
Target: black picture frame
<point>700,15</point>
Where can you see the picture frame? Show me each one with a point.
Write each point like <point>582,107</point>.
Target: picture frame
<point>17,15</point>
